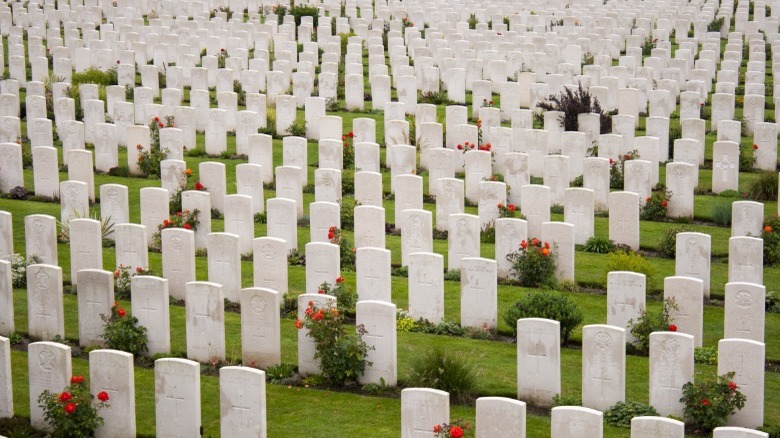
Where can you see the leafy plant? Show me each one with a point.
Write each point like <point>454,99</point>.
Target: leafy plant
<point>566,400</point>
<point>181,219</point>
<point>771,235</point>
<point>345,298</point>
<point>303,10</point>
<point>534,264</point>
<point>73,413</point>
<point>623,260</point>
<point>448,371</point>
<point>280,374</point>
<point>122,332</point>
<point>19,270</point>
<point>297,129</point>
<point>599,245</point>
<point>617,169</point>
<point>340,348</point>
<point>706,355</point>
<point>772,302</point>
<point>621,413</point>
<point>668,244</point>
<point>649,322</point>
<point>550,305</point>
<point>648,45</point>
<point>454,429</point>
<point>348,153</point>
<point>655,208</point>
<point>708,403</point>
<point>122,279</point>
<point>716,24</point>
<point>574,103</point>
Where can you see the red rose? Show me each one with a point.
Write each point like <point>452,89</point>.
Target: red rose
<point>298,324</point>
<point>77,379</point>
<point>456,432</point>
<point>351,134</point>
<point>339,280</point>
<point>491,102</point>
<point>610,161</point>
<point>320,291</point>
<point>156,119</point>
<point>500,205</point>
<point>116,273</point>
<point>222,49</point>
<point>161,125</point>
<point>178,214</point>
<point>198,186</point>
<point>755,147</point>
<point>705,402</point>
<point>139,269</point>
<point>331,236</point>
<point>511,207</point>
<point>70,408</point>
<point>436,429</point>
<point>117,61</point>
<point>187,226</point>
<point>672,328</point>
<point>664,204</point>
<point>308,311</point>
<point>627,157</point>
<point>768,229</point>
<point>65,396</point>
<point>733,386</point>
<point>102,396</point>
<point>311,303</point>
<point>121,312</point>
<point>460,147</point>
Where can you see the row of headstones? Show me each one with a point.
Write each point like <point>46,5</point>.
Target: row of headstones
<point>457,80</point>
<point>176,392</point>
<point>424,408</point>
<point>225,249</point>
<point>373,271</point>
<point>243,403</point>
<point>603,368</point>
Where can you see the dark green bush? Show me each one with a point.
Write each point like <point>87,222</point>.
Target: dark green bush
<point>448,371</point>
<point>299,11</point>
<point>621,413</point>
<point>550,305</point>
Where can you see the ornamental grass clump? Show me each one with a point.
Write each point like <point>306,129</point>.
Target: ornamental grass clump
<point>341,351</point>
<point>708,403</point>
<point>73,413</point>
<point>447,371</point>
<point>534,264</point>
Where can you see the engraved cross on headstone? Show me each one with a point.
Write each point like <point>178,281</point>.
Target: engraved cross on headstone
<point>538,351</point>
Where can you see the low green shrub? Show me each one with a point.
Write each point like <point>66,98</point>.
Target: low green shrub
<point>534,264</point>
<point>624,260</point>
<point>550,305</point>
<point>649,322</point>
<point>771,235</point>
<point>621,413</point>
